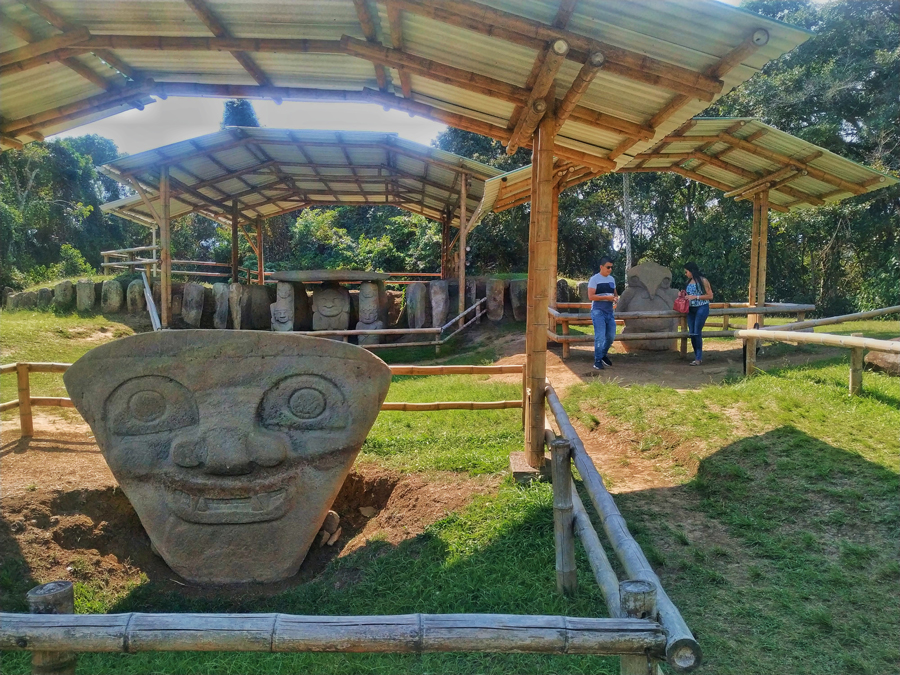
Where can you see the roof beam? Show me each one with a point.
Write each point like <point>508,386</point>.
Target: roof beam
<point>217,28</point>
<point>395,23</point>
<point>554,56</point>
<point>209,44</point>
<point>520,30</point>
<point>580,85</point>
<point>367,23</point>
<point>44,46</point>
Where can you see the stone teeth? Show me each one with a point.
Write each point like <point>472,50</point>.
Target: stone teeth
<point>256,503</point>
<point>201,504</point>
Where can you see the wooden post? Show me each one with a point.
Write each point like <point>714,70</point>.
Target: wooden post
<point>554,253</point>
<point>105,262</point>
<point>750,356</point>
<point>683,327</point>
<point>539,248</point>
<point>565,344</point>
<point>563,516</point>
<point>763,253</point>
<point>260,257</point>
<point>154,255</point>
<point>56,597</point>
<point>165,251</point>
<point>725,322</point>
<point>463,226</point>
<point>754,261</point>
<point>445,247</point>
<point>234,242</point>
<point>26,424</point>
<point>638,601</point>
<point>856,368</point>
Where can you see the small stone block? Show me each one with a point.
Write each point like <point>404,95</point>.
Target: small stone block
<point>523,473</point>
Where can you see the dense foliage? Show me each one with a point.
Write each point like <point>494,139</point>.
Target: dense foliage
<point>840,90</point>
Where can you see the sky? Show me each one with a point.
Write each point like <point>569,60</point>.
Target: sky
<point>177,119</point>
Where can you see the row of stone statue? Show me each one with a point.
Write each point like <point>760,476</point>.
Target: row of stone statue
<point>85,296</point>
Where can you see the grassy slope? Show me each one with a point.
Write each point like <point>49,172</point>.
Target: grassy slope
<point>797,482</point>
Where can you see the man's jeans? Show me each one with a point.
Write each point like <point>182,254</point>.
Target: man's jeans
<point>604,333</point>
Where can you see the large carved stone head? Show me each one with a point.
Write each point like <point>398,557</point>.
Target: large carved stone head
<point>230,445</point>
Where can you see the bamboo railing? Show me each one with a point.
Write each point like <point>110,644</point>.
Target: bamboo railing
<point>26,401</point>
<point>562,320</point>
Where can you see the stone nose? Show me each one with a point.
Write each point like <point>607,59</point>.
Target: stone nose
<point>231,451</point>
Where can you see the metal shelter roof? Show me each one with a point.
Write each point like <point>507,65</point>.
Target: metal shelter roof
<point>274,171</point>
<point>738,155</point>
<point>622,73</point>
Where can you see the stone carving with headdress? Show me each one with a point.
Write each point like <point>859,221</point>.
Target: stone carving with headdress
<point>648,289</point>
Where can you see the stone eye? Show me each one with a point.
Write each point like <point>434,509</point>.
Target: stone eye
<point>304,402</point>
<point>149,405</point>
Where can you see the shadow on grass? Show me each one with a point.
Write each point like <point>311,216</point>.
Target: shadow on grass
<point>841,383</point>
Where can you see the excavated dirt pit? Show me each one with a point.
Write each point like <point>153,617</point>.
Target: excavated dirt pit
<point>50,529</point>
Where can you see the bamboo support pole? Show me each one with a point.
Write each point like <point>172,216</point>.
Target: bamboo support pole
<point>856,368</point>
<point>148,298</point>
<point>563,525</point>
<point>826,339</point>
<point>554,253</point>
<point>260,255</point>
<point>539,285</point>
<point>55,598</point>
<point>282,633</point>
<point>566,343</point>
<point>452,405</point>
<point>26,424</point>
<point>463,227</point>
<point>750,356</point>
<point>580,85</point>
<point>235,263</point>
<point>682,650</point>
<point>600,565</point>
<point>858,316</point>
<point>638,601</point>
<point>754,260</point>
<point>165,252</point>
<point>763,253</point>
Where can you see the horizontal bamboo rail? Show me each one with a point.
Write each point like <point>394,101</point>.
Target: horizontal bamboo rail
<point>458,370</point>
<point>625,337</point>
<point>126,251</point>
<point>409,633</point>
<point>682,650</point>
<point>452,405</point>
<point>826,339</point>
<point>672,314</point>
<point>812,323</point>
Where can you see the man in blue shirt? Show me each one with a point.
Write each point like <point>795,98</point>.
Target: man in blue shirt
<point>603,296</point>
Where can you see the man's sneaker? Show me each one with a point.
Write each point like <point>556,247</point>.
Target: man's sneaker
<point>599,366</point>
<point>606,362</point>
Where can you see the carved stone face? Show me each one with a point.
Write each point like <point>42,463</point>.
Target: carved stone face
<point>329,302</point>
<point>368,303</point>
<point>230,446</point>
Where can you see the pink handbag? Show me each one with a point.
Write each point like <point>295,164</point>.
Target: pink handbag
<point>681,303</point>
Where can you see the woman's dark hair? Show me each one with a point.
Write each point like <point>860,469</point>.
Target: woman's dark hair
<point>696,274</point>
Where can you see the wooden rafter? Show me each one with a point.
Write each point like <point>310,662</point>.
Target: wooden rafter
<point>350,166</point>
<point>528,32</point>
<point>39,47</point>
<point>554,56</point>
<point>395,23</point>
<point>296,143</point>
<point>367,23</point>
<point>217,28</point>
<point>580,85</point>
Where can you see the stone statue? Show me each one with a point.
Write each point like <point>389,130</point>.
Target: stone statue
<point>369,310</point>
<point>331,307</point>
<point>439,292</point>
<point>231,446</point>
<point>649,289</point>
<point>283,307</point>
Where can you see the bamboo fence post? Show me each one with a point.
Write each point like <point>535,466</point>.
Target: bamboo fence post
<point>565,344</point>
<point>155,252</point>
<point>540,226</point>
<point>563,516</point>
<point>554,253</point>
<point>725,322</point>
<point>638,600</point>
<point>165,251</point>
<point>754,261</point>
<point>463,226</point>
<point>26,423</point>
<point>856,368</point>
<point>763,253</point>
<point>683,326</point>
<point>234,241</point>
<point>56,597</point>
<point>750,356</point>
<point>260,259</point>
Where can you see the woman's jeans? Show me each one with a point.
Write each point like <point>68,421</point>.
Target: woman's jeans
<point>604,333</point>
<point>696,318</point>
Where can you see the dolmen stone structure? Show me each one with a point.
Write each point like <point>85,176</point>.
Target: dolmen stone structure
<point>230,445</point>
<point>649,289</point>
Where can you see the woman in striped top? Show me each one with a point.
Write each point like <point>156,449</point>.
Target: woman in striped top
<point>699,293</point>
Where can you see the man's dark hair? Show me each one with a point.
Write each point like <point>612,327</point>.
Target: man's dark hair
<point>605,259</point>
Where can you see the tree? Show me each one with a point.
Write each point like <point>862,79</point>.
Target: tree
<point>239,112</point>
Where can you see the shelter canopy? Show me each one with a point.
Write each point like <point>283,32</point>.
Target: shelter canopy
<point>272,171</point>
<point>622,74</point>
<point>740,156</point>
